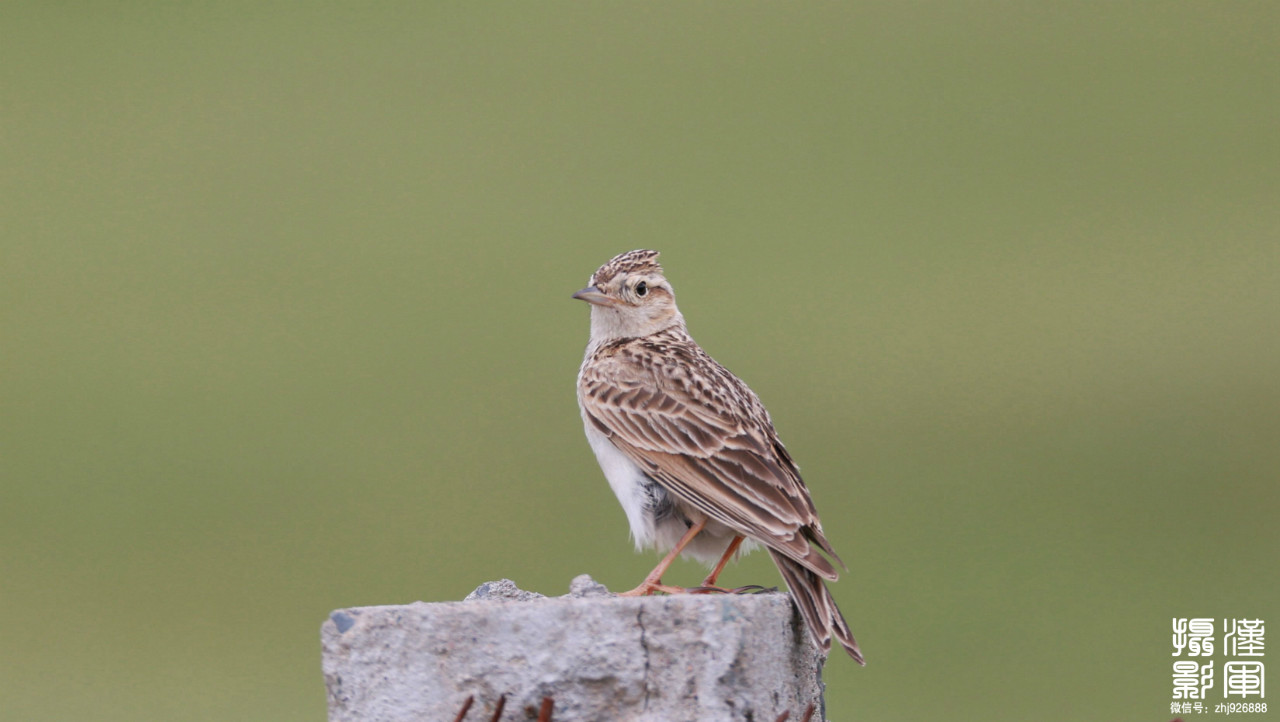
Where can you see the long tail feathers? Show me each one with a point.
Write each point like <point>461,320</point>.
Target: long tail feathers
<point>817,607</point>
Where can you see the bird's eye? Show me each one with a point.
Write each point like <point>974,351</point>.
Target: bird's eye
<point>642,288</point>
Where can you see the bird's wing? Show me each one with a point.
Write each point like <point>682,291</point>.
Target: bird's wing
<point>706,437</point>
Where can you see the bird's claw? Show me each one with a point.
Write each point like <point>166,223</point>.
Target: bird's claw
<point>748,589</point>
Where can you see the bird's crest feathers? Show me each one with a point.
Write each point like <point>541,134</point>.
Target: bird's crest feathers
<point>639,261</point>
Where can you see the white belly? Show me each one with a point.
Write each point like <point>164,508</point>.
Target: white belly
<point>628,484</point>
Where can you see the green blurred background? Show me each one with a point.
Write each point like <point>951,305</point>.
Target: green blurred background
<point>285,326</point>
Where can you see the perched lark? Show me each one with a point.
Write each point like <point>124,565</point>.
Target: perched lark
<point>690,451</point>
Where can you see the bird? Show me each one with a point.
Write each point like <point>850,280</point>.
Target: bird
<point>691,452</point>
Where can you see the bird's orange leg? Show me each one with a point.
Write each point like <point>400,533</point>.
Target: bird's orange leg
<point>710,581</point>
<point>653,582</point>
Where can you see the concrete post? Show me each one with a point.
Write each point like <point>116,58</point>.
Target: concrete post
<point>594,655</point>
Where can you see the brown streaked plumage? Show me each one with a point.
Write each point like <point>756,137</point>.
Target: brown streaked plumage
<point>689,450</point>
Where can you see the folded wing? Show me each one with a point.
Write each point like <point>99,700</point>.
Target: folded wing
<point>677,426</point>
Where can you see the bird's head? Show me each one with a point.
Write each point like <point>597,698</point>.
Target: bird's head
<point>630,298</point>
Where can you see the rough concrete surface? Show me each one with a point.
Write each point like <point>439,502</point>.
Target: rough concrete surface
<point>597,656</point>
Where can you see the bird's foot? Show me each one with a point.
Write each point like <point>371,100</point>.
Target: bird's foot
<point>649,586</point>
<point>748,589</point>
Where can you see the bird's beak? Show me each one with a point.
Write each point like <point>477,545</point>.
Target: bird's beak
<point>594,296</point>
